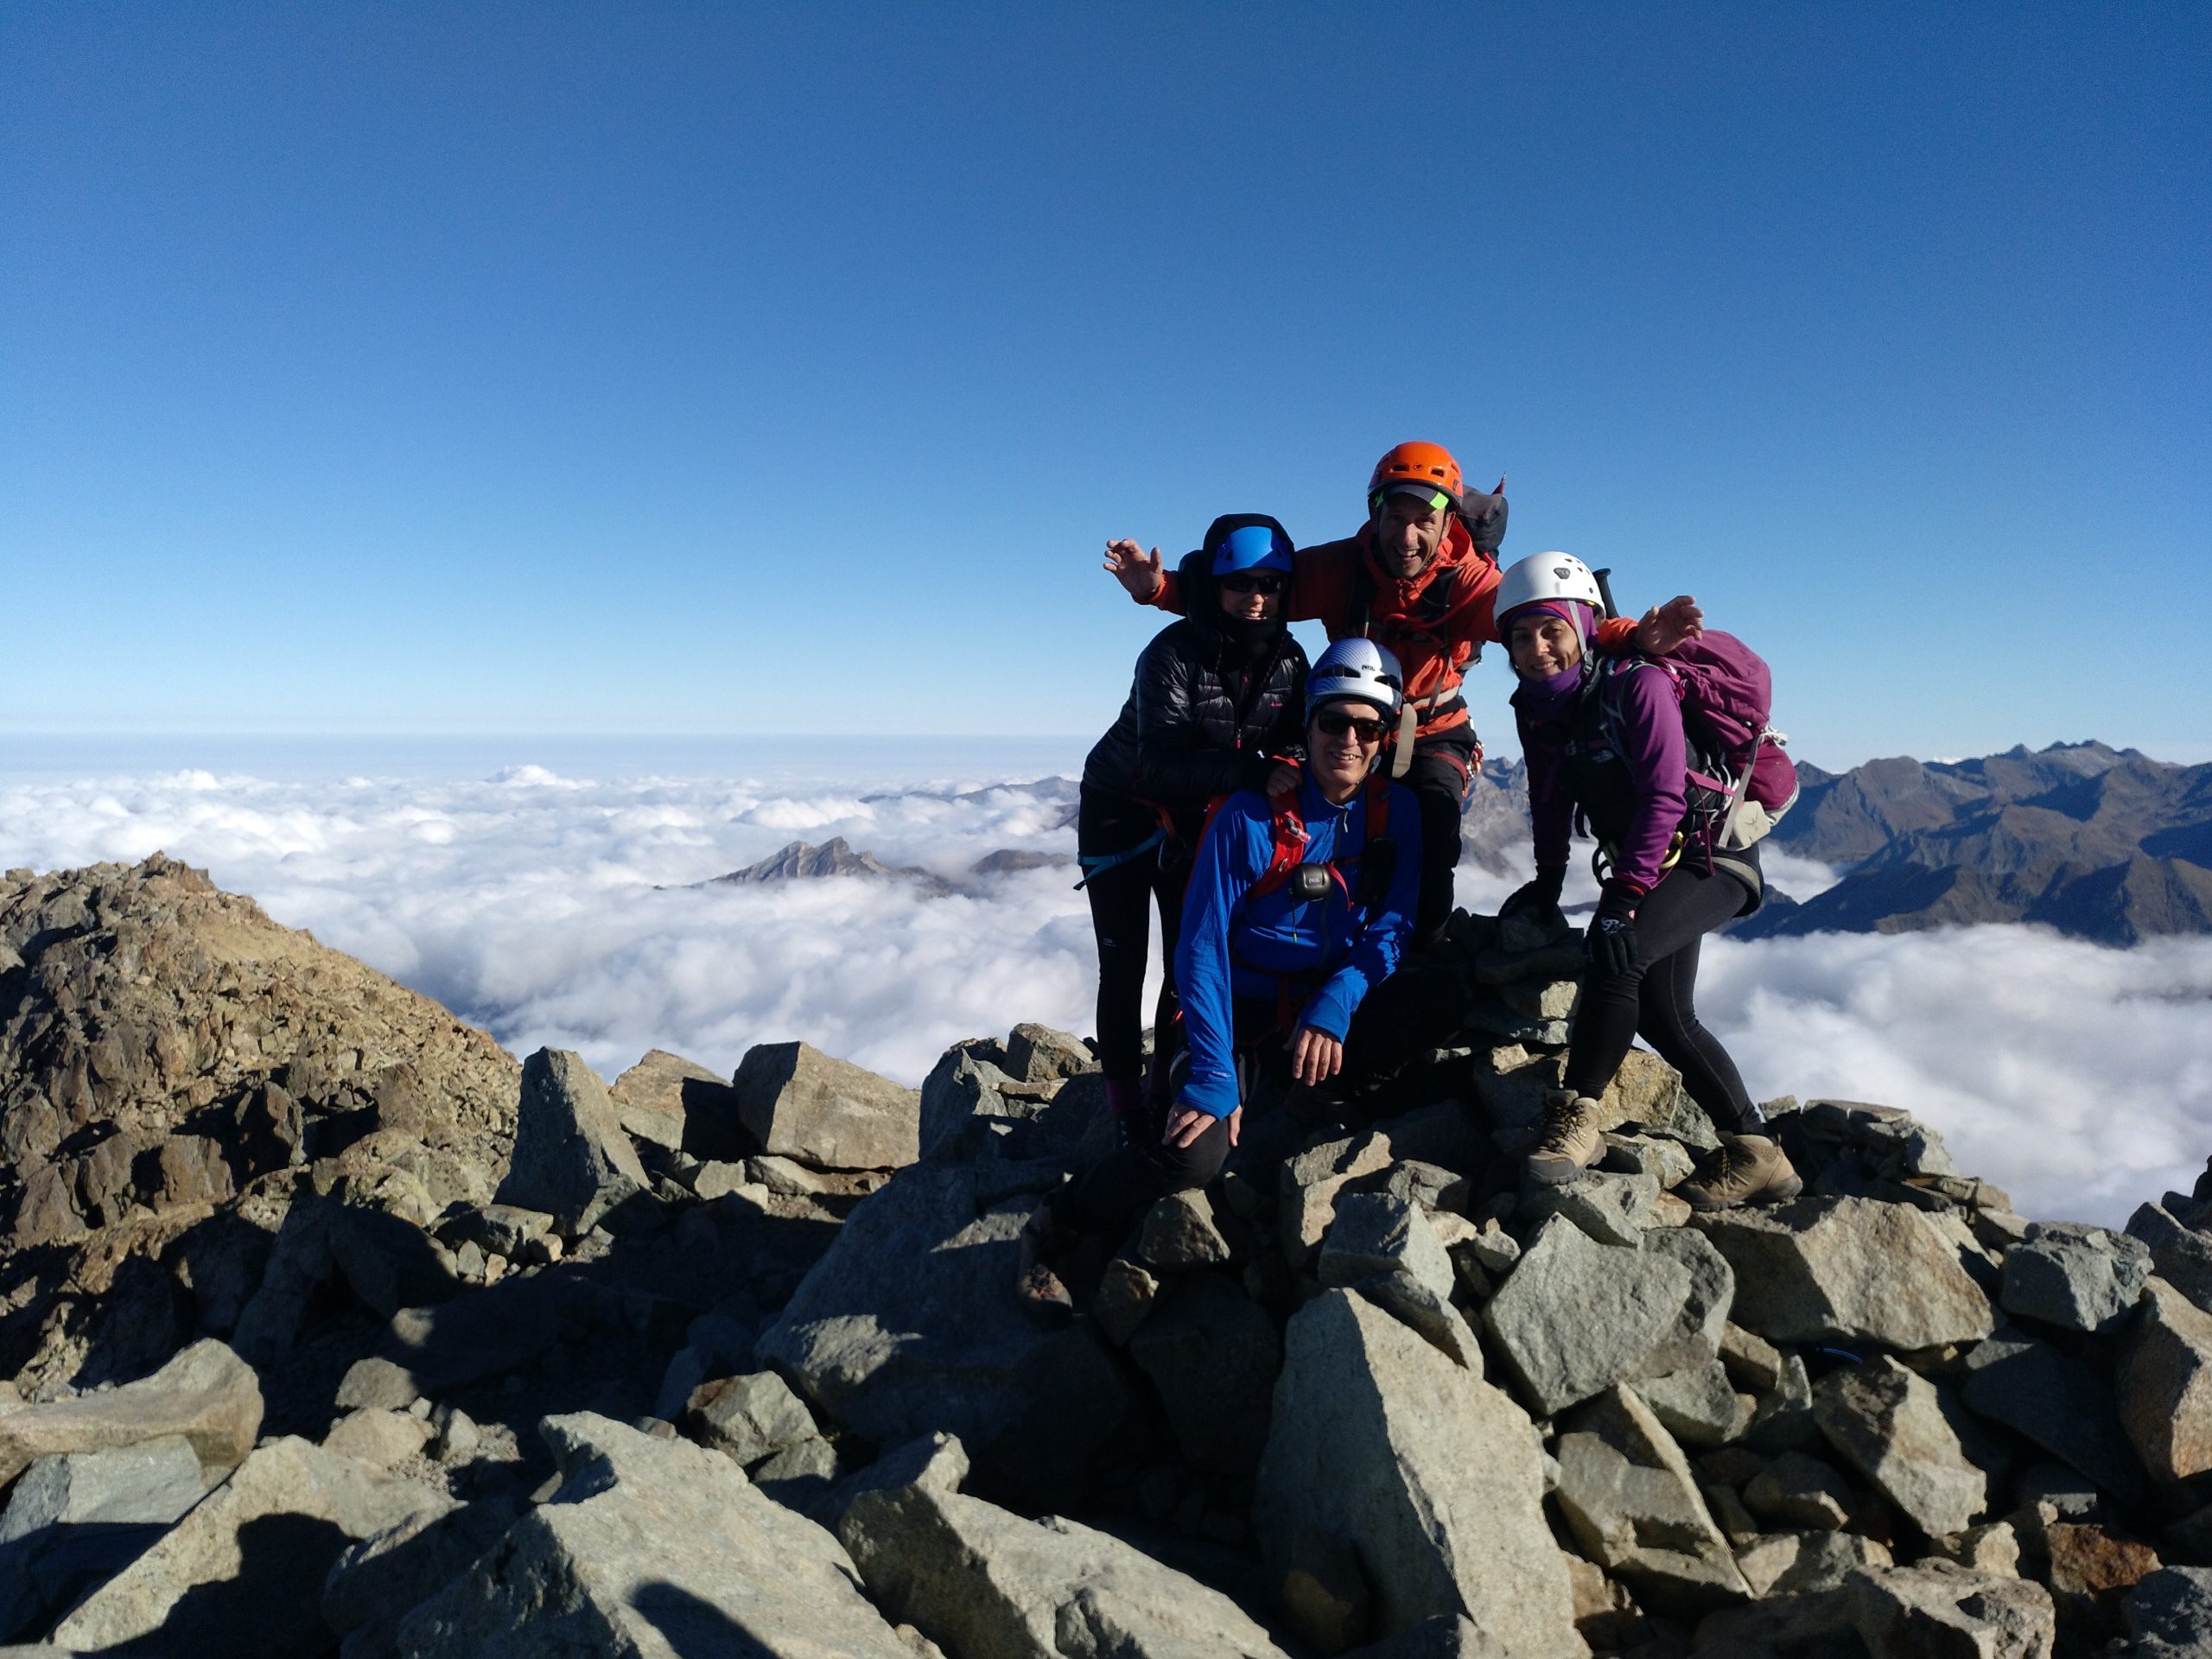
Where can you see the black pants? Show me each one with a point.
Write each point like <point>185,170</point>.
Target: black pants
<point>1120,901</point>
<point>1113,1197</point>
<point>1655,1002</point>
<point>1439,778</point>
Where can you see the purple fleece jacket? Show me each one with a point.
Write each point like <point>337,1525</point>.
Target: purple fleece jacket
<point>1655,754</point>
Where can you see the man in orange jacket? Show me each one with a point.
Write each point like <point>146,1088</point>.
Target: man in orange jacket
<point>1418,577</point>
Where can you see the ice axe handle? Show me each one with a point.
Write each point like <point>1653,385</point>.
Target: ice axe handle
<point>1605,590</point>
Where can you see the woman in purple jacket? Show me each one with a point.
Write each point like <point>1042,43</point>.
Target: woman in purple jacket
<point>1620,760</point>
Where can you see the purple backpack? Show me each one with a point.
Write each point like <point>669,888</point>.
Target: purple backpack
<point>1740,781</point>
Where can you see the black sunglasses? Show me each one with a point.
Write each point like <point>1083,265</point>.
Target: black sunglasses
<point>1334,724</point>
<point>1244,583</point>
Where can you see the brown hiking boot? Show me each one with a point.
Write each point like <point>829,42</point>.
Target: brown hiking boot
<point>1566,1139</point>
<point>1038,1285</point>
<point>1751,1169</point>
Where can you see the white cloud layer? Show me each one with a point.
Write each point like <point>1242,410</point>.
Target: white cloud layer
<point>549,908</point>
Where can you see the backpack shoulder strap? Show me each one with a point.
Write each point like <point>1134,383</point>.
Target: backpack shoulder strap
<point>1359,610</point>
<point>1289,835</point>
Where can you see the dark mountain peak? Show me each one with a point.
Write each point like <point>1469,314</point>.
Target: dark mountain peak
<point>800,861</point>
<point>2098,842</point>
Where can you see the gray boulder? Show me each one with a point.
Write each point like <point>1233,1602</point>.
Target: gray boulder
<point>376,1583</point>
<point>2057,1401</point>
<point>749,1418</point>
<point>1635,1507</point>
<point>1436,1474</point>
<point>2077,1278</point>
<point>2179,1255</point>
<point>1038,1054</point>
<point>1421,1309</point>
<point>252,1556</point>
<point>908,1324</point>
<point>1704,1325</point>
<point>572,1159</point>
<point>1182,1230</point>
<point>677,1105</point>
<point>2169,1614</point>
<point>652,1548</point>
<point>1848,1270</point>
<point>962,1086</point>
<point>802,1103</point>
<point>1613,1208</point>
<point>1213,1354</point>
<point>1374,1233</point>
<point>207,1394</point>
<point>1697,1402</point>
<point>1936,1609</point>
<point>1805,1563</point>
<point>982,1581</point>
<point>1890,1424</point>
<point>2164,1384</point>
<point>1576,1316</point>
<point>1799,1491</point>
<point>75,1519</point>
<point>1309,1185</point>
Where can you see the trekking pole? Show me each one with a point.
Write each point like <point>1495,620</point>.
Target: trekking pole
<point>1605,590</point>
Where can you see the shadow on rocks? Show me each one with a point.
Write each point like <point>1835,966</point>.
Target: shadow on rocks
<point>695,1629</point>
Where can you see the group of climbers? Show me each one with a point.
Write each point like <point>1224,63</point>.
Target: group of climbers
<point>1292,870</point>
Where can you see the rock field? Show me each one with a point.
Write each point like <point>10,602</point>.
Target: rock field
<point>332,1330</point>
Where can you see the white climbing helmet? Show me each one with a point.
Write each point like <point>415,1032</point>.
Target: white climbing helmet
<point>1546,576</point>
<point>1355,668</point>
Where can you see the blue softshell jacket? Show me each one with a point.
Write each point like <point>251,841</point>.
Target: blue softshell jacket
<point>1235,945</point>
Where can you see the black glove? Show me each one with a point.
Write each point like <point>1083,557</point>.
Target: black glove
<point>1535,901</point>
<point>1612,943</point>
<point>1536,898</point>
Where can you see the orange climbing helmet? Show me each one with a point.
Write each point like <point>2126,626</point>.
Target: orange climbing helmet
<point>1429,464</point>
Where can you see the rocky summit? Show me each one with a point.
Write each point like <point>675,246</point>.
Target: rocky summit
<point>332,1330</point>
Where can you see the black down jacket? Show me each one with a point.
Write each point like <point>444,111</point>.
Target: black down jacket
<point>1207,712</point>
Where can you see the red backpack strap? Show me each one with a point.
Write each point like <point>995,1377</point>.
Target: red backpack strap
<point>1378,805</point>
<point>1289,848</point>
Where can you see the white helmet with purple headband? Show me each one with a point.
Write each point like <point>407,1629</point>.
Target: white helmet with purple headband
<point>1356,668</point>
<point>1557,579</point>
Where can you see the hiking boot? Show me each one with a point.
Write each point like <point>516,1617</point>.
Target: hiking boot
<point>1751,1169</point>
<point>1039,1285</point>
<point>1566,1139</point>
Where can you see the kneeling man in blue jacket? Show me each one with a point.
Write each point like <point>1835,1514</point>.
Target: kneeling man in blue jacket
<point>1297,906</point>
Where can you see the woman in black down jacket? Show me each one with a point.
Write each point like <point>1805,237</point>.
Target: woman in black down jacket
<point>1215,709</point>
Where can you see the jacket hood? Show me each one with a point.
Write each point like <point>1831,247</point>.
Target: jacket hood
<point>1202,607</point>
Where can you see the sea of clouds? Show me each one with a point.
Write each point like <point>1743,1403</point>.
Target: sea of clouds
<point>552,904</point>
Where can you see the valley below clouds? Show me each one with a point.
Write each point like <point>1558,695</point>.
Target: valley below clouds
<point>554,903</point>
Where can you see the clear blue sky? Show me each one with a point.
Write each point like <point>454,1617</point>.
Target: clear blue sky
<point>670,368</point>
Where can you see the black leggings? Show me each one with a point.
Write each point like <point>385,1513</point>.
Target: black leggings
<point>1438,778</point>
<point>1120,898</point>
<point>1654,1002</point>
<point>1114,1195</point>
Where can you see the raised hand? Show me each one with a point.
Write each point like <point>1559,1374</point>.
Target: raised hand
<point>1665,626</point>
<point>1134,568</point>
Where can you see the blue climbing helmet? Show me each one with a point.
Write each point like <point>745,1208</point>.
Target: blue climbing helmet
<point>1246,541</point>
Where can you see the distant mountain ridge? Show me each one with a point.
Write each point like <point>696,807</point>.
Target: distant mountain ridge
<point>2100,843</point>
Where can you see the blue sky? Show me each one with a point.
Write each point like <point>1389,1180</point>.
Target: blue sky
<point>672,369</point>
